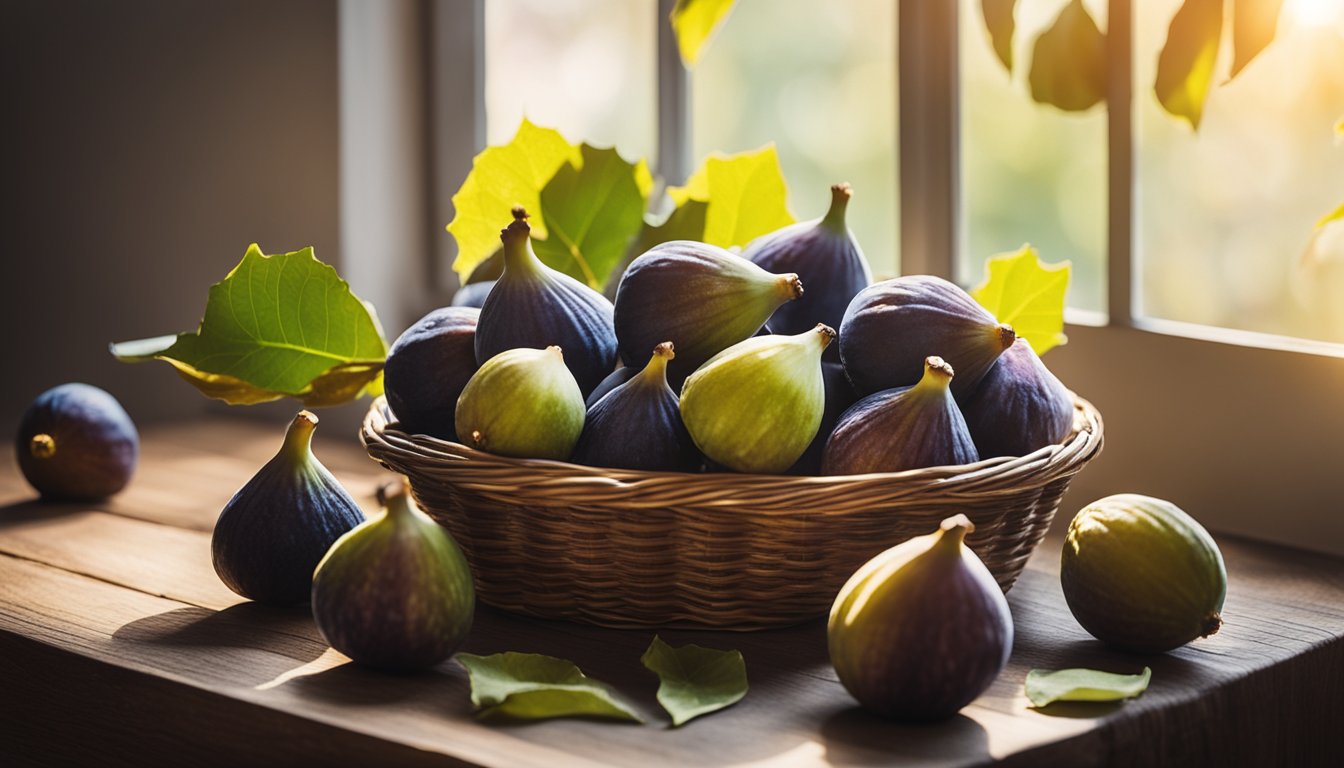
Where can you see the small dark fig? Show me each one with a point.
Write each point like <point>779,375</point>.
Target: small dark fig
<point>638,424</point>
<point>276,528</point>
<point>395,593</point>
<point>427,368</point>
<point>535,306</point>
<point>755,406</point>
<point>826,257</point>
<point>839,397</point>
<point>903,428</point>
<point>1018,407</point>
<point>891,326</point>
<point>921,630</point>
<point>473,294</point>
<point>613,380</point>
<point>76,443</point>
<point>701,297</point>
<point>522,403</point>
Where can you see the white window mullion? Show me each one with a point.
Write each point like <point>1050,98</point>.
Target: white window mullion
<point>674,103</point>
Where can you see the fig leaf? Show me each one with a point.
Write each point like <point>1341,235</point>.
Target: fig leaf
<point>1045,686</point>
<point>695,22</point>
<point>745,195</point>
<point>277,326</point>
<point>1334,215</point>
<point>530,686</point>
<point>1068,62</point>
<point>1001,25</point>
<point>1254,23</point>
<point>695,681</point>
<point>1185,66</point>
<point>1028,294</point>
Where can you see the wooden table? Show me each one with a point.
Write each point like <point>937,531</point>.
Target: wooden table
<point>119,646</point>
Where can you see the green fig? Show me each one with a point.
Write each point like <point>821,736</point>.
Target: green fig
<point>395,593</point>
<point>755,406</point>
<point>523,403</point>
<point>637,425</point>
<point>76,443</point>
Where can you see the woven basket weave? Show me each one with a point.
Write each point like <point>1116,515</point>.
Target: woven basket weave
<point>623,548</point>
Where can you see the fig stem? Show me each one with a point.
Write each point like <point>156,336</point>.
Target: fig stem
<point>954,530</point>
<point>937,373</point>
<point>1005,334</point>
<point>656,370</point>
<point>299,437</point>
<point>826,332</point>
<point>790,286</point>
<point>517,241</point>
<point>835,215</point>
<point>1212,623</point>
<point>396,500</point>
<point>42,446</point>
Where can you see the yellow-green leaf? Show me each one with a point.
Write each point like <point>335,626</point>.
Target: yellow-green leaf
<point>694,680</point>
<point>1254,23</point>
<point>503,177</point>
<point>745,195</point>
<point>1068,62</point>
<point>1339,128</point>
<point>1045,686</point>
<point>1001,25</point>
<point>1334,215</point>
<point>695,22</point>
<point>1028,294</point>
<point>1185,66</point>
<point>530,686</point>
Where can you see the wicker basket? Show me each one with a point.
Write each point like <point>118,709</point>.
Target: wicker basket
<point>623,548</point>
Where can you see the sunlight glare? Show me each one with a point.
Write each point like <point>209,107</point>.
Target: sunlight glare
<point>1316,13</point>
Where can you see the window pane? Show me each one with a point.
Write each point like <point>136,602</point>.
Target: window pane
<point>818,80</point>
<point>1031,173</point>
<point>585,67</point>
<point>1226,213</point>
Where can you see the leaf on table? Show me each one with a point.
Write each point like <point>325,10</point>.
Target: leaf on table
<point>530,686</point>
<point>1254,24</point>
<point>277,326</point>
<point>694,22</point>
<point>1028,294</point>
<point>745,196</point>
<point>1045,686</point>
<point>695,681</point>
<point>1068,62</point>
<point>1185,65</point>
<point>1001,25</point>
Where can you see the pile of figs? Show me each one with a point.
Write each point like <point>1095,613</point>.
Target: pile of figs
<point>785,358</point>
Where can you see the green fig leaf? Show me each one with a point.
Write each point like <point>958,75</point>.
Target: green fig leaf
<point>1254,24</point>
<point>1185,66</point>
<point>1028,294</point>
<point>695,681</point>
<point>695,22</point>
<point>529,686</point>
<point>745,196</point>
<point>1045,686</point>
<point>1001,25</point>
<point>687,222</point>
<point>1068,62</point>
<point>1334,215</point>
<point>503,177</point>
<point>277,326</point>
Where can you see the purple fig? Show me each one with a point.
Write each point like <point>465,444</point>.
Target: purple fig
<point>637,425</point>
<point>473,294</point>
<point>1019,406</point>
<point>839,397</point>
<point>76,443</point>
<point>427,368</point>
<point>613,380</point>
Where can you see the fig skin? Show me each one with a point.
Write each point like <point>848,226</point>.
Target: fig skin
<point>700,297</point>
<point>1019,406</point>
<point>839,397</point>
<point>276,528</point>
<point>535,306</point>
<point>427,367</point>
<point>892,326</point>
<point>1141,575</point>
<point>828,261</point>
<point>900,429</point>
<point>76,443</point>
<point>473,294</point>
<point>613,380</point>
<point>921,630</point>
<point>523,403</point>
<point>396,592</point>
<point>638,424</point>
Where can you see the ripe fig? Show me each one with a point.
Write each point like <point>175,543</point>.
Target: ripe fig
<point>1142,575</point>
<point>276,528</point>
<point>523,403</point>
<point>395,593</point>
<point>828,260</point>
<point>473,294</point>
<point>839,397</point>
<point>427,368</point>
<point>613,380</point>
<point>755,406</point>
<point>701,297</point>
<point>922,629</point>
<point>638,424</point>
<point>891,326</point>
<point>1018,407</point>
<point>533,305</point>
<point>903,428</point>
<point>76,443</point>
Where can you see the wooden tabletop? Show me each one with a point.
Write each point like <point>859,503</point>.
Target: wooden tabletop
<point>119,646</point>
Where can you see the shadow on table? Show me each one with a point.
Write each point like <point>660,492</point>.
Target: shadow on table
<point>441,689</point>
<point>35,509</point>
<point>853,736</point>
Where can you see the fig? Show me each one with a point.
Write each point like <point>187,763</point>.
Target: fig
<point>533,305</point>
<point>755,406</point>
<point>701,297</point>
<point>638,424</point>
<point>395,593</point>
<point>826,258</point>
<point>892,326</point>
<point>902,428</point>
<point>1141,575</point>
<point>523,403</point>
<point>276,528</point>
<point>839,397</point>
<point>1018,407</point>
<point>922,629</point>
<point>613,380</point>
<point>427,367</point>
<point>76,443</point>
<point>472,294</point>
